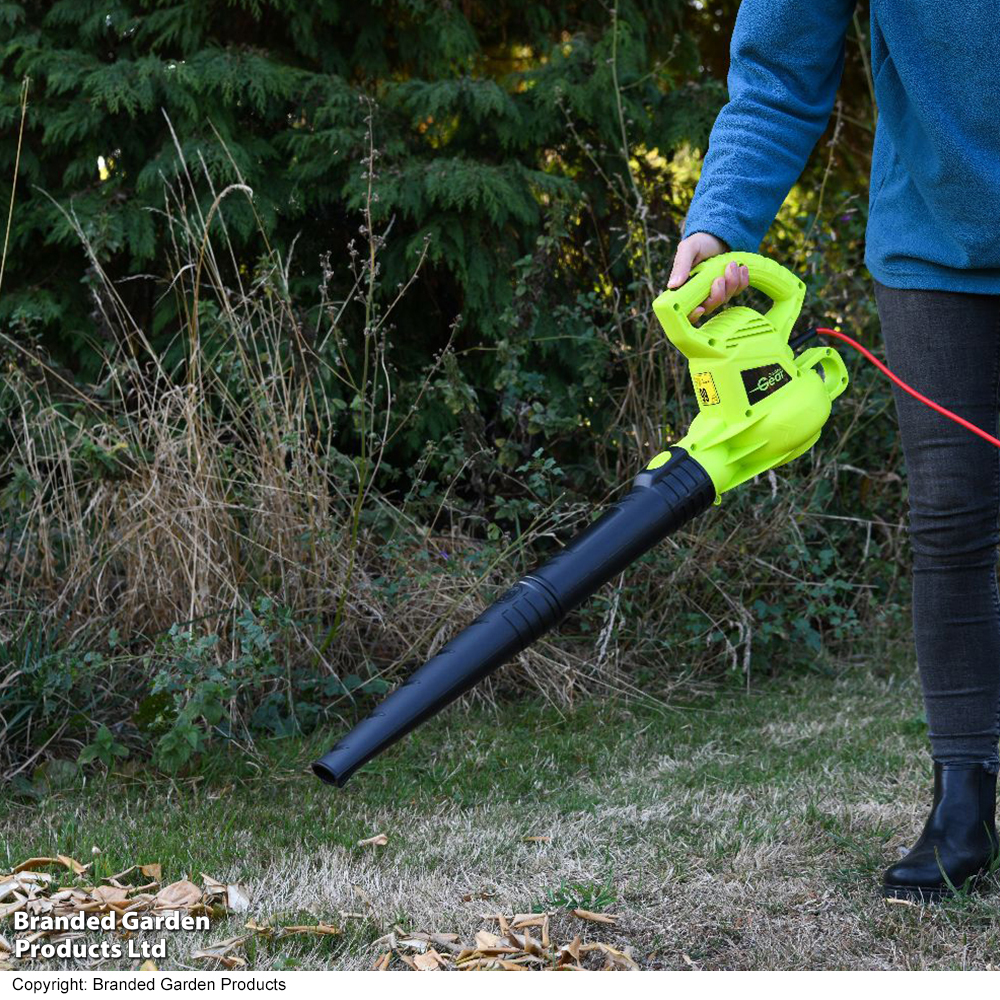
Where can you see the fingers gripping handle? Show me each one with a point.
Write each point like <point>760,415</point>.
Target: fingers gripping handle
<point>776,282</point>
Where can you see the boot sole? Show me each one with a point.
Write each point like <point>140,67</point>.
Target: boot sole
<point>915,893</point>
<point>923,894</point>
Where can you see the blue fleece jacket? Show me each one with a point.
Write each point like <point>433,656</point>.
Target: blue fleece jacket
<point>934,200</point>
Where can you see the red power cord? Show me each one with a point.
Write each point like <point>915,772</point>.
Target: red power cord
<point>826,331</point>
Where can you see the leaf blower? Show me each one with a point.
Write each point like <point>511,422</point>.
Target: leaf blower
<point>760,405</point>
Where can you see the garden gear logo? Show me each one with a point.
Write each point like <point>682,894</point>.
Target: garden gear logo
<point>761,382</point>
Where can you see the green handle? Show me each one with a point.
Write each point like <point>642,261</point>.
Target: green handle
<point>778,283</point>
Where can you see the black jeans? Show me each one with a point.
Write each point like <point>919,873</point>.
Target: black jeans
<point>947,345</point>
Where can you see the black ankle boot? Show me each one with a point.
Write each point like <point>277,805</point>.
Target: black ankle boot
<point>959,841</point>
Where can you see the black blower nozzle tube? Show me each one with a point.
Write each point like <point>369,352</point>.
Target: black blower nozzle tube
<point>660,501</point>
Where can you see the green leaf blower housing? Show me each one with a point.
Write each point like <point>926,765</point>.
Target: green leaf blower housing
<point>760,406</point>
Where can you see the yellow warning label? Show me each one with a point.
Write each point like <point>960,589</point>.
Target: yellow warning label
<point>704,386</point>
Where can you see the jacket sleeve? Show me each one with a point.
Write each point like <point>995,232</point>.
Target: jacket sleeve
<point>786,60</point>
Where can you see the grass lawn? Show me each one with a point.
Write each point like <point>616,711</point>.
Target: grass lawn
<point>747,830</point>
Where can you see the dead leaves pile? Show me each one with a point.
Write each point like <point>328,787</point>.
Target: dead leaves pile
<point>29,887</point>
<point>525,942</point>
<point>519,943</point>
<point>224,952</point>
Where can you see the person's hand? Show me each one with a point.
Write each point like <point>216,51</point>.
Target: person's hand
<point>698,247</point>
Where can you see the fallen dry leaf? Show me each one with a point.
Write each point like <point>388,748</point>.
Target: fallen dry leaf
<point>109,894</point>
<point>26,879</point>
<point>120,875</point>
<point>237,898</point>
<point>34,863</point>
<point>537,840</point>
<point>447,941</point>
<point>617,958</point>
<point>20,902</point>
<point>229,961</point>
<point>379,840</point>
<point>523,942</point>
<point>382,962</point>
<point>74,866</point>
<point>530,945</point>
<point>429,961</point>
<point>488,944</point>
<point>571,951</point>
<point>311,929</point>
<point>213,886</point>
<point>8,888</point>
<point>149,966</point>
<point>421,940</point>
<point>520,920</point>
<point>221,951</point>
<point>154,871</point>
<point>597,918</point>
<point>181,895</point>
<point>413,943</point>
